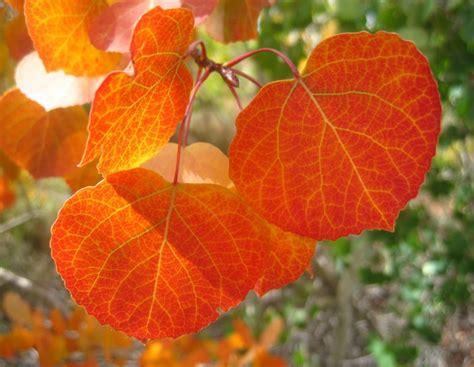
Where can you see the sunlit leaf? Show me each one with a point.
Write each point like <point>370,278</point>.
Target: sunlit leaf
<point>132,117</point>
<point>55,89</point>
<point>345,147</point>
<point>199,163</point>
<point>44,143</point>
<point>58,29</point>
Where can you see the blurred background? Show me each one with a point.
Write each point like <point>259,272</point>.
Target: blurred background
<point>379,299</point>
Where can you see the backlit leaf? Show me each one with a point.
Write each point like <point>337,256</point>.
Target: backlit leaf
<point>200,163</point>
<point>58,29</point>
<point>235,20</point>
<point>83,176</point>
<point>132,117</point>
<point>44,143</point>
<point>55,89</point>
<point>112,29</point>
<point>345,147</point>
<point>155,260</point>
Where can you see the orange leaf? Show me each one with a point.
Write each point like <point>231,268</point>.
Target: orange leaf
<point>55,89</point>
<point>17,309</point>
<point>7,195</point>
<point>44,143</point>
<point>132,117</point>
<point>236,20</point>
<point>345,147</point>
<point>200,163</point>
<point>155,260</point>
<point>59,32</point>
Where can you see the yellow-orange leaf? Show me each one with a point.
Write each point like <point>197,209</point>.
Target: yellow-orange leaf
<point>155,260</point>
<point>16,309</point>
<point>44,143</point>
<point>199,163</point>
<point>346,146</point>
<point>83,176</point>
<point>58,29</point>
<point>134,116</point>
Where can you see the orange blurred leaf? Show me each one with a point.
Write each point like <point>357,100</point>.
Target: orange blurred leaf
<point>83,176</point>
<point>235,20</point>
<point>132,117</point>
<point>17,38</point>
<point>154,260</point>
<point>44,143</point>
<point>59,32</point>
<point>16,309</point>
<point>347,145</point>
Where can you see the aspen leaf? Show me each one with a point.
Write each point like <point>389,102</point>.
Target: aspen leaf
<point>55,89</point>
<point>58,29</point>
<point>199,163</point>
<point>346,146</point>
<point>112,29</point>
<point>83,176</point>
<point>156,260</point>
<point>44,143</point>
<point>132,117</point>
<point>235,20</point>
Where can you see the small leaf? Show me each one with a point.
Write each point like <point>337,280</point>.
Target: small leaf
<point>16,309</point>
<point>236,20</point>
<point>346,146</point>
<point>44,143</point>
<point>83,176</point>
<point>156,260</point>
<point>58,29</point>
<point>132,117</point>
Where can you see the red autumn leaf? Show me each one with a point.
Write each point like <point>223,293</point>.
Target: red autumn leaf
<point>132,117</point>
<point>44,143</point>
<point>156,260</point>
<point>112,29</point>
<point>54,89</point>
<point>59,33</point>
<point>7,195</point>
<point>346,146</point>
<point>236,20</point>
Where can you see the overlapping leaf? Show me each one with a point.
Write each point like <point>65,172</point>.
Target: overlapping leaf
<point>112,29</point>
<point>236,20</point>
<point>132,117</point>
<point>156,260</point>
<point>345,147</point>
<point>55,89</point>
<point>58,29</point>
<point>44,143</point>
<point>199,163</point>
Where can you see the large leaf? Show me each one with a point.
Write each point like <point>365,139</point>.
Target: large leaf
<point>58,29</point>
<point>345,147</point>
<point>235,20</point>
<point>132,117</point>
<point>46,143</point>
<point>156,260</point>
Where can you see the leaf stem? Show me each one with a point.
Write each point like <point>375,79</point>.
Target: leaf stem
<point>236,96</point>
<point>184,129</point>
<point>248,77</point>
<point>280,54</point>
